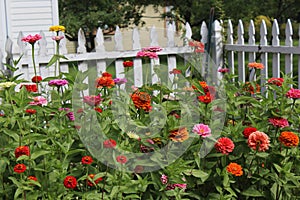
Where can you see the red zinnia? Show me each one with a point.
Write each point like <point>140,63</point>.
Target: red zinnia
<point>30,87</point>
<point>20,168</point>
<point>36,79</point>
<point>70,182</point>
<point>110,143</point>
<point>86,160</point>
<point>30,111</point>
<point>276,81</point>
<point>95,181</point>
<point>224,145</point>
<point>127,63</point>
<point>175,71</point>
<point>121,159</point>
<point>22,150</point>
<point>248,130</point>
<point>205,98</point>
<point>32,178</point>
<point>99,110</point>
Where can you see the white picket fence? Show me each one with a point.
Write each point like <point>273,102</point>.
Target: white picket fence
<point>237,64</point>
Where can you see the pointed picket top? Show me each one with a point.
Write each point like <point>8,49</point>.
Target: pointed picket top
<point>188,31</point>
<point>240,32</point>
<point>81,42</point>
<point>8,46</point>
<point>288,33</point>
<point>170,35</point>
<point>251,32</point>
<point>21,44</point>
<point>63,44</point>
<point>153,37</point>
<point>275,33</point>
<point>1,60</point>
<point>230,32</point>
<point>204,32</point>
<point>263,33</point>
<point>99,41</point>
<point>136,44</point>
<point>118,39</point>
<point>42,44</point>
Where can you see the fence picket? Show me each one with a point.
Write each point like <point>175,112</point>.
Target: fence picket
<point>153,37</point>
<point>264,55</point>
<point>289,43</point>
<point>81,42</point>
<point>99,41</point>
<point>241,54</point>
<point>136,44</point>
<point>230,54</point>
<point>170,36</point>
<point>42,45</point>
<point>138,72</point>
<point>276,56</point>
<point>299,59</point>
<point>118,39</point>
<point>252,55</point>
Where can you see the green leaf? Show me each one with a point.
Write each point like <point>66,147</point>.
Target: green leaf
<point>3,164</point>
<point>55,58</point>
<point>252,192</point>
<point>37,154</point>
<point>197,173</point>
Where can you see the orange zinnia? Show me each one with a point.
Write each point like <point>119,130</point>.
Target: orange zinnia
<point>235,169</point>
<point>179,135</point>
<point>142,100</point>
<point>105,81</point>
<point>289,139</point>
<point>256,65</point>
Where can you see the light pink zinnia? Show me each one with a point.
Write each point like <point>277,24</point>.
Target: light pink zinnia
<point>39,101</point>
<point>293,93</point>
<point>146,54</point>
<point>92,100</point>
<point>202,130</point>
<point>279,122</point>
<point>259,140</point>
<point>224,145</point>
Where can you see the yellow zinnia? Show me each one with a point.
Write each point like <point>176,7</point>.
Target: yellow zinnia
<point>57,28</point>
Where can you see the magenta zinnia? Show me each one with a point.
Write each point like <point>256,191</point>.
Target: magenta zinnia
<point>202,130</point>
<point>279,122</point>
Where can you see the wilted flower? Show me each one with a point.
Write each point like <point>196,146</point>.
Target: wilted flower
<point>202,130</point>
<point>179,135</point>
<point>69,114</point>
<point>259,141</point>
<point>248,87</point>
<point>235,169</point>
<point>176,185</point>
<point>224,145</point>
<point>289,139</point>
<point>70,182</point>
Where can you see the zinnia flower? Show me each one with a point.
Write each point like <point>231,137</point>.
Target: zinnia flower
<point>110,143</point>
<point>30,87</point>
<point>7,84</point>
<point>176,185</point>
<point>69,114</point>
<point>95,181</point>
<point>259,140</point>
<point>141,100</point>
<point>32,178</point>
<point>58,38</point>
<point>133,135</point>
<point>256,65</point>
<point>179,135</point>
<point>235,169</point>
<point>293,93</point>
<point>20,168</point>
<point>248,87</point>
<point>36,79</point>
<point>58,82</point>
<point>22,150</point>
<point>30,111</point>
<point>92,100</point>
<point>120,81</point>
<point>198,46</point>
<point>248,130</point>
<point>224,145</point>
<point>87,160</point>
<point>223,70</point>
<point>276,81</point>
<point>105,81</point>
<point>138,169</point>
<point>57,28</point>
<point>164,179</point>
<point>202,130</point>
<point>289,139</point>
<point>146,54</point>
<point>121,159</point>
<point>152,49</point>
<point>205,98</point>
<point>175,71</point>
<point>99,110</point>
<point>127,63</point>
<point>32,38</point>
<point>279,122</point>
<point>70,182</point>
<point>39,101</point>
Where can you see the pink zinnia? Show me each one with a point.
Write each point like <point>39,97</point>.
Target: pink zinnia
<point>58,82</point>
<point>120,81</point>
<point>58,38</point>
<point>32,38</point>
<point>152,49</point>
<point>92,100</point>
<point>279,122</point>
<point>293,93</point>
<point>202,130</point>
<point>146,54</point>
<point>224,145</point>
<point>223,70</point>
<point>259,140</point>
<point>39,101</point>
<point>164,179</point>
